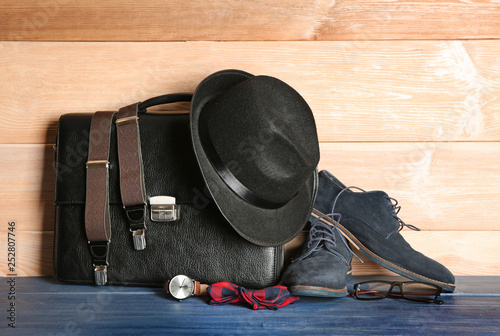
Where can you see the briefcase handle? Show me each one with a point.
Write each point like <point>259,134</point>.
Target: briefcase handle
<point>164,99</point>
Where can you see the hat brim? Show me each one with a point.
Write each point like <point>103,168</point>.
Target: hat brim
<point>266,227</point>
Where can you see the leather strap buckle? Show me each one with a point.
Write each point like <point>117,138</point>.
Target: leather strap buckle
<point>97,164</point>
<point>136,215</point>
<point>127,120</point>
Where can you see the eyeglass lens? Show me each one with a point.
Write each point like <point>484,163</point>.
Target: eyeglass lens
<point>411,291</point>
<point>419,291</point>
<point>373,290</point>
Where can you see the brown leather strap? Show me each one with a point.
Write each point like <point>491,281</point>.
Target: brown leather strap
<point>197,288</point>
<point>129,153</point>
<point>97,218</point>
<point>97,222</point>
<point>132,187</point>
<point>203,289</point>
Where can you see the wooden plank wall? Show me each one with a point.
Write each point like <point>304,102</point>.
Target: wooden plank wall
<point>406,95</point>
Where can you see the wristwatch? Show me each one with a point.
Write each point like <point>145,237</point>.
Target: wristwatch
<point>181,287</point>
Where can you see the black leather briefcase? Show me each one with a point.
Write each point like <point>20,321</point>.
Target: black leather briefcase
<point>197,241</point>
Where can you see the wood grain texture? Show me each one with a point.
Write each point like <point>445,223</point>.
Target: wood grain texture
<point>48,308</point>
<point>34,252</point>
<point>359,91</point>
<point>153,20</point>
<point>441,186</point>
<point>464,253</point>
<point>27,188</point>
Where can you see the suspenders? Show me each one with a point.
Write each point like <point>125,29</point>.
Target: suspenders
<point>132,186</point>
<point>97,219</point>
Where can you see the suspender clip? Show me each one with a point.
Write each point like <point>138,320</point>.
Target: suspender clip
<point>101,275</point>
<point>136,215</point>
<point>100,254</point>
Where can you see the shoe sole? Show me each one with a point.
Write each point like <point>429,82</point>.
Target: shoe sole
<point>381,261</point>
<point>320,291</point>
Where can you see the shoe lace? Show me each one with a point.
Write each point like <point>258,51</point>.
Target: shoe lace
<point>323,232</point>
<point>391,201</point>
<point>395,207</point>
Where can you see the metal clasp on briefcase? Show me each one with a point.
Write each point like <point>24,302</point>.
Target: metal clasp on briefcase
<point>164,209</point>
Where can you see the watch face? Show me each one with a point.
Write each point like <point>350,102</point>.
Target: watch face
<point>181,287</point>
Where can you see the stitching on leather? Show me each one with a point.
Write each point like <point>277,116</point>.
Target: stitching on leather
<point>394,265</point>
<point>351,236</point>
<point>320,288</point>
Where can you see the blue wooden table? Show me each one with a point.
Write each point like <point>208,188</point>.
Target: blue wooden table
<point>43,306</point>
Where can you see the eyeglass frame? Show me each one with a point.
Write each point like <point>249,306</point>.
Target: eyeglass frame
<point>400,284</point>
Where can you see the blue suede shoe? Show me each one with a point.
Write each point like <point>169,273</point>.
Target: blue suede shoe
<point>369,220</point>
<point>324,264</point>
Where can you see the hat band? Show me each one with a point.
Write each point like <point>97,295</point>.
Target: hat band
<point>227,176</point>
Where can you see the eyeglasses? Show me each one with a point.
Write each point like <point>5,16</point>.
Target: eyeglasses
<point>411,290</point>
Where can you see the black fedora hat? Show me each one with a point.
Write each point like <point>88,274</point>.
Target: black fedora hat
<point>256,143</point>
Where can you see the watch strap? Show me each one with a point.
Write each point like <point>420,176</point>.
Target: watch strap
<point>203,289</point>
<point>197,285</point>
<point>165,286</point>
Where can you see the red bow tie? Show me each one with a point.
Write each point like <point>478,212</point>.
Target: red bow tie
<point>272,297</point>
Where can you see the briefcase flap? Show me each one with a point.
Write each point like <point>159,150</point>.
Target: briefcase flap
<point>170,166</point>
